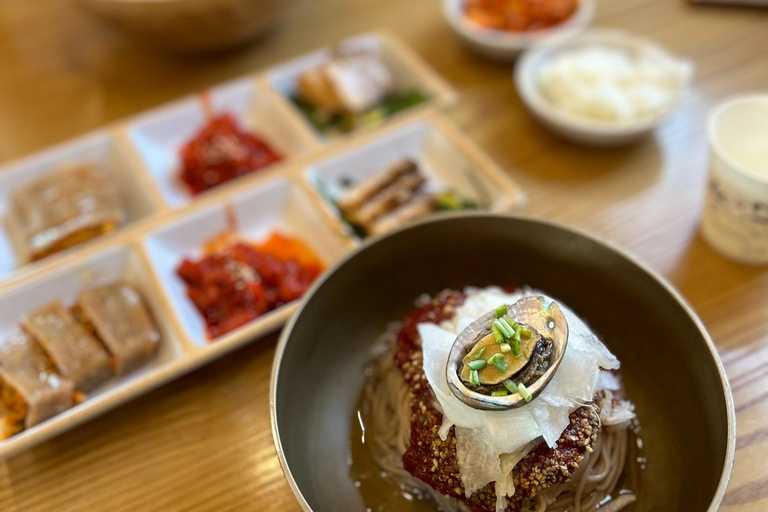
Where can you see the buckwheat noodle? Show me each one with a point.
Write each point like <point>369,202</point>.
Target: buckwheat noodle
<point>386,399</point>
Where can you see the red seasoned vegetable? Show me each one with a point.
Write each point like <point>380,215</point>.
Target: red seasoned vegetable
<point>242,281</point>
<point>519,15</point>
<point>221,152</point>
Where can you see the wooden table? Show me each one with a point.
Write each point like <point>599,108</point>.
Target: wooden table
<point>203,442</point>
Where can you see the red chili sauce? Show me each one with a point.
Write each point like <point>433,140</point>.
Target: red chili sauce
<point>222,151</point>
<point>242,281</point>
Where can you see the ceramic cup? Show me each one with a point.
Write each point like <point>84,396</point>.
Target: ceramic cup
<point>735,218</point>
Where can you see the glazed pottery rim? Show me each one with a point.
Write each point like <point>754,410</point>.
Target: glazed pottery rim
<point>725,475</point>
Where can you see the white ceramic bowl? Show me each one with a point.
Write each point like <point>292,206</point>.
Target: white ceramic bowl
<point>579,129</point>
<point>505,45</point>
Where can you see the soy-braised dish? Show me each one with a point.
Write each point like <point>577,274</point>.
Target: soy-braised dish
<point>351,90</point>
<point>221,151</point>
<point>416,443</point>
<point>236,281</point>
<point>61,354</point>
<point>391,198</point>
<point>64,208</point>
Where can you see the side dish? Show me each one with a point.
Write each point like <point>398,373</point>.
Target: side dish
<point>64,208</point>
<point>222,151</point>
<point>564,450</point>
<point>236,281</point>
<point>119,319</point>
<point>63,353</point>
<point>610,83</point>
<point>31,391</point>
<point>519,15</point>
<point>77,354</point>
<point>349,91</point>
<point>392,198</point>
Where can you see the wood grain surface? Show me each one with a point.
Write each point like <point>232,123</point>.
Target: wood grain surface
<point>203,442</point>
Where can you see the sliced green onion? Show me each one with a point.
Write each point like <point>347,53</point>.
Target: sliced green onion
<point>474,378</point>
<point>524,392</point>
<point>503,327</point>
<point>497,335</point>
<point>497,360</point>
<point>518,330</point>
<point>511,386</point>
<point>499,393</point>
<point>479,353</point>
<point>526,332</point>
<point>501,311</point>
<point>507,327</point>
<point>505,347</point>
<point>478,364</point>
<point>515,347</point>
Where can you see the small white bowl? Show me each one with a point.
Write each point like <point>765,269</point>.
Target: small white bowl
<point>506,45</point>
<point>580,129</point>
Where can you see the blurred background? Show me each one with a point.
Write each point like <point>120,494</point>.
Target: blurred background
<point>68,67</point>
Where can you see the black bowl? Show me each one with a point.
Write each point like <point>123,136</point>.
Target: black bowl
<point>669,364</point>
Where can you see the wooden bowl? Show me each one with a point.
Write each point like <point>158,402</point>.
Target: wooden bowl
<point>190,25</point>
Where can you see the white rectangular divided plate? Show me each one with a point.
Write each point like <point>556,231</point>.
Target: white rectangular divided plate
<point>141,156</point>
<point>278,205</point>
<point>437,149</point>
<point>117,263</point>
<point>158,136</point>
<point>408,71</point>
<point>101,149</point>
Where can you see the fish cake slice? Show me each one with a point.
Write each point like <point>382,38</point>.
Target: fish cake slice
<point>122,322</point>
<point>76,353</point>
<point>30,389</point>
<point>64,208</point>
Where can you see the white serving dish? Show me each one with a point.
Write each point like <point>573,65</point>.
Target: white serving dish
<point>446,158</point>
<point>408,69</point>
<point>159,135</point>
<point>275,205</point>
<point>164,227</point>
<point>582,130</point>
<point>103,150</point>
<point>504,45</point>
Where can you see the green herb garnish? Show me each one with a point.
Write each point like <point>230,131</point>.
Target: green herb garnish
<point>505,348</point>
<point>479,353</point>
<point>501,311</point>
<point>503,327</point>
<point>497,335</point>
<point>511,386</point>
<point>477,364</point>
<point>474,378</point>
<point>510,329</point>
<point>501,392</point>
<point>497,360</point>
<point>524,392</point>
<point>515,345</point>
